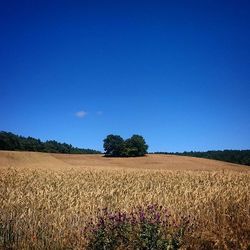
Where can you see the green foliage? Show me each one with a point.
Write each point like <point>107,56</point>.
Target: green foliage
<point>144,228</point>
<point>136,146</point>
<point>234,156</point>
<point>10,141</point>
<point>115,146</point>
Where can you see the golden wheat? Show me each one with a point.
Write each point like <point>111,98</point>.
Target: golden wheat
<point>42,209</point>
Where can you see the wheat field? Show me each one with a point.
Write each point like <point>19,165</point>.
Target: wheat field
<point>46,199</point>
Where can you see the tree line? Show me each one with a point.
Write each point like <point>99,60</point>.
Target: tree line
<point>233,156</point>
<point>10,141</point>
<point>116,146</point>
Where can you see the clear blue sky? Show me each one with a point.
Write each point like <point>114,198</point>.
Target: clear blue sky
<point>176,72</point>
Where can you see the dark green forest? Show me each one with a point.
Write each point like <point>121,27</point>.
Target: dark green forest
<point>234,156</point>
<point>10,141</point>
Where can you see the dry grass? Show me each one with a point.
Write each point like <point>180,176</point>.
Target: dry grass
<point>47,208</point>
<point>33,160</point>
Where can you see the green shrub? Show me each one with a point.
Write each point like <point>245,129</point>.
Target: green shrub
<point>142,229</point>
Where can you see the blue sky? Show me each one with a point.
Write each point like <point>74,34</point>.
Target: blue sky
<point>176,72</point>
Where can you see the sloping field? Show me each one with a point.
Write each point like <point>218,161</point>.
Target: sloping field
<point>157,162</point>
<point>47,199</point>
<point>29,160</point>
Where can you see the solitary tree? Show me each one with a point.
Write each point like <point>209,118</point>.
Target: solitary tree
<point>114,145</point>
<point>136,146</point>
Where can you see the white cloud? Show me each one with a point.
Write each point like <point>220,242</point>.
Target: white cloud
<point>81,114</point>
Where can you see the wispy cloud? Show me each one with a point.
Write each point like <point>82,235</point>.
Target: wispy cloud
<point>99,112</point>
<point>81,114</point>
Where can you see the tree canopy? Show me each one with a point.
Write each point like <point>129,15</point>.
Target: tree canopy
<point>234,156</point>
<point>116,146</point>
<point>10,141</point>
